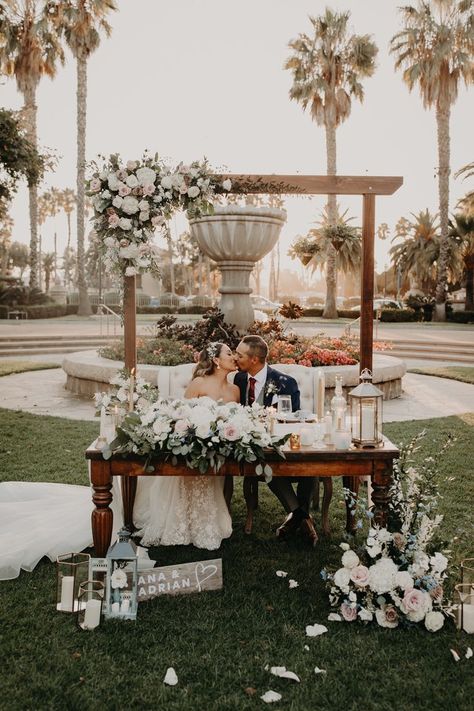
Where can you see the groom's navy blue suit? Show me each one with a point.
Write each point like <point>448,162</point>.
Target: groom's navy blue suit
<point>278,383</point>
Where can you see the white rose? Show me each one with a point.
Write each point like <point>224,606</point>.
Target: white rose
<point>132,181</point>
<point>131,271</point>
<point>130,252</point>
<point>105,195</point>
<point>434,621</point>
<point>439,562</point>
<point>382,576</point>
<point>131,164</point>
<point>130,205</point>
<point>110,242</point>
<point>117,201</point>
<point>177,179</point>
<point>227,184</point>
<point>342,578</point>
<point>344,546</point>
<point>203,430</point>
<point>113,182</point>
<point>350,559</point>
<point>374,550</point>
<point>403,580</point>
<point>166,182</point>
<point>144,216</point>
<point>143,205</point>
<point>125,224</point>
<point>193,191</point>
<point>365,615</point>
<point>146,176</point>
<point>384,536</point>
<point>103,175</point>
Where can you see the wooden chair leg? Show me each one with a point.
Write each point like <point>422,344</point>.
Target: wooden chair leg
<point>327,496</point>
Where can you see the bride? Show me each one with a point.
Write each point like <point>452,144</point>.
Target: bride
<point>191,509</point>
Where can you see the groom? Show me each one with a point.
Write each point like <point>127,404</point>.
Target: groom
<point>258,382</point>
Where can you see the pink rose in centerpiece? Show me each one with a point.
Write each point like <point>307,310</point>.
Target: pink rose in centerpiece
<point>157,220</point>
<point>416,603</point>
<point>114,220</point>
<point>349,613</point>
<point>95,185</point>
<point>148,189</point>
<point>231,432</point>
<point>181,426</point>
<point>360,575</point>
<point>387,616</point>
<point>124,190</point>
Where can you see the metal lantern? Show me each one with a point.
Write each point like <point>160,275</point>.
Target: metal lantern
<point>91,596</point>
<point>464,607</point>
<point>366,413</point>
<point>72,569</point>
<point>122,578</point>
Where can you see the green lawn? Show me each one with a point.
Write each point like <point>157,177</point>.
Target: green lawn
<point>10,367</point>
<point>219,643</point>
<point>463,373</point>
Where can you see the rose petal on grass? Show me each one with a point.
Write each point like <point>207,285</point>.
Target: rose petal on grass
<point>170,677</point>
<point>334,617</point>
<point>284,673</point>
<point>456,656</point>
<point>344,546</point>
<point>317,670</point>
<point>270,696</point>
<point>306,648</point>
<point>315,630</point>
<point>281,573</point>
<point>292,584</point>
<point>468,654</point>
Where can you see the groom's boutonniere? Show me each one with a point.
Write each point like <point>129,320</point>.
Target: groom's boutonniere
<point>271,388</point>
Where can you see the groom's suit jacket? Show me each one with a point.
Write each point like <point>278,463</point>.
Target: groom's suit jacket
<point>277,383</point>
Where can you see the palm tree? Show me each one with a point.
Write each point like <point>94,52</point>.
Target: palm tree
<point>6,227</point>
<point>463,229</point>
<point>29,49</point>
<point>435,49</point>
<point>66,201</point>
<point>48,266</point>
<point>467,202</point>
<point>416,254</point>
<point>82,21</point>
<point>327,70</point>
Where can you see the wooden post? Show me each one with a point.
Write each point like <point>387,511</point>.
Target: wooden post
<point>367,282</point>
<point>130,323</point>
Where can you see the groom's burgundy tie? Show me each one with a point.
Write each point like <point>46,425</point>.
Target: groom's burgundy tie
<point>251,395</point>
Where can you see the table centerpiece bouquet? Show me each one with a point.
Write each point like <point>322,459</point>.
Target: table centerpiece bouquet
<point>396,577</point>
<point>201,433</point>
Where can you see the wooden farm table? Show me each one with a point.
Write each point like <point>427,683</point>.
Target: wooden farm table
<point>352,465</point>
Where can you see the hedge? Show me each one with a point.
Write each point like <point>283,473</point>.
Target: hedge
<point>397,315</point>
<point>37,310</point>
<point>461,316</point>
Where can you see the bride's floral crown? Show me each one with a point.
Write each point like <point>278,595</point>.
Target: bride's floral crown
<point>212,350</point>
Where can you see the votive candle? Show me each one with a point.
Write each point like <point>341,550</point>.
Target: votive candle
<point>92,614</point>
<point>67,593</point>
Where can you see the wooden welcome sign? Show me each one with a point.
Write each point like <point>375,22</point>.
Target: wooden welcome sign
<point>180,579</point>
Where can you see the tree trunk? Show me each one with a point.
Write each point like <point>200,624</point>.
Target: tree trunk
<point>84,308</point>
<point>330,309</point>
<point>469,271</point>
<point>442,121</point>
<point>30,122</point>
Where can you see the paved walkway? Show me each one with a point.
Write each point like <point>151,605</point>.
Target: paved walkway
<point>43,393</point>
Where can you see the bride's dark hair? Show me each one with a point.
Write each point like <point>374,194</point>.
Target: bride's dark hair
<point>205,364</point>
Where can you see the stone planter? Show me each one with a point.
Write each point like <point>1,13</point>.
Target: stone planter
<point>236,238</point>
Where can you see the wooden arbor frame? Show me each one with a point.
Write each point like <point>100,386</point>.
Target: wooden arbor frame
<point>366,186</point>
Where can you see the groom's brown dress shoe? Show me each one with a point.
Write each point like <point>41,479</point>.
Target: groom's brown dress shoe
<point>309,532</point>
<point>289,526</point>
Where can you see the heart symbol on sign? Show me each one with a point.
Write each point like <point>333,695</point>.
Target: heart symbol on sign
<point>204,572</point>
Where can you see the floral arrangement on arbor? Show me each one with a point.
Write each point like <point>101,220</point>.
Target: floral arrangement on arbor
<point>201,432</point>
<point>397,577</point>
<point>131,200</point>
<point>144,394</point>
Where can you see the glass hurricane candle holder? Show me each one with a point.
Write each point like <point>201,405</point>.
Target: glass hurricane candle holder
<point>464,607</point>
<point>72,569</point>
<point>467,571</point>
<point>91,597</point>
<point>366,413</point>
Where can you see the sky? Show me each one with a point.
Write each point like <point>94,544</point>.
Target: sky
<point>194,78</point>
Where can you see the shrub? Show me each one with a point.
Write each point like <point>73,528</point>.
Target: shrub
<point>462,316</point>
<point>155,310</point>
<point>153,351</point>
<point>397,315</point>
<point>313,312</point>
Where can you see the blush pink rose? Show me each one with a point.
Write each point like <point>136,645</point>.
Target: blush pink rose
<point>181,426</point>
<point>416,603</point>
<point>95,185</point>
<point>349,613</point>
<point>231,432</point>
<point>114,220</point>
<point>148,189</point>
<point>360,575</point>
<point>124,190</point>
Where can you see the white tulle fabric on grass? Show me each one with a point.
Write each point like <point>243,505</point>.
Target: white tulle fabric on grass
<point>173,511</point>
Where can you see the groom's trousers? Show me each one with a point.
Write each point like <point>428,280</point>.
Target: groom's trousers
<point>283,489</point>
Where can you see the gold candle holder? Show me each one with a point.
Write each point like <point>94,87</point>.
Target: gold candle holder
<point>295,441</point>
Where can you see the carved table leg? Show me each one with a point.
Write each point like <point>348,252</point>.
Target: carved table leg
<point>102,515</point>
<point>381,480</point>
<point>250,488</point>
<point>327,496</point>
<point>351,483</point>
<point>129,489</point>
<point>317,482</point>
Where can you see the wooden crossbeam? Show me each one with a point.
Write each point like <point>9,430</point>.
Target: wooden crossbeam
<point>313,184</point>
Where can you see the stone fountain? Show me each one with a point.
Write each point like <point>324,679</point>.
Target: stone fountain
<point>236,238</point>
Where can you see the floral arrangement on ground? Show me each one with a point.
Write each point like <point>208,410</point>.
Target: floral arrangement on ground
<point>397,577</point>
<point>172,343</point>
<point>199,431</point>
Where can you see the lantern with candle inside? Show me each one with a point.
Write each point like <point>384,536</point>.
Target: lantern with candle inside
<point>122,578</point>
<point>467,571</point>
<point>91,596</point>
<point>72,569</point>
<point>464,607</point>
<point>366,413</point>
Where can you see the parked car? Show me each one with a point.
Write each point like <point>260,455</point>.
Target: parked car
<point>168,299</point>
<point>264,304</point>
<point>382,304</point>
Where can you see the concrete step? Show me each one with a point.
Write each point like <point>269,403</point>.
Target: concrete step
<point>442,356</point>
<point>80,344</point>
<point>59,337</point>
<point>12,352</point>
